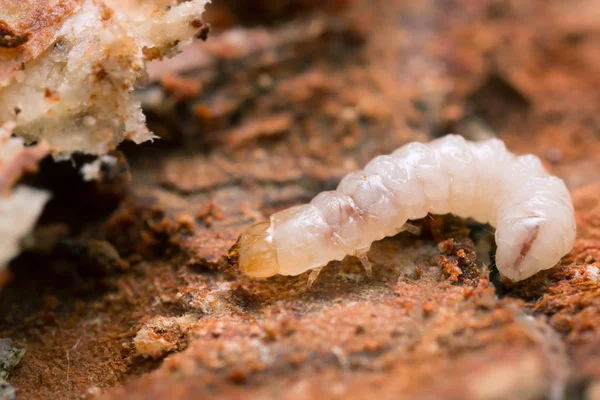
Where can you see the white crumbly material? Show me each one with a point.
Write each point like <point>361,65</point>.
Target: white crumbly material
<point>91,171</point>
<point>78,93</point>
<point>19,210</point>
<point>20,207</point>
<point>9,146</point>
<point>161,335</point>
<point>531,210</point>
<point>164,25</point>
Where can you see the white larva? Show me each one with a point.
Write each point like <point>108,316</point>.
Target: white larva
<point>531,210</point>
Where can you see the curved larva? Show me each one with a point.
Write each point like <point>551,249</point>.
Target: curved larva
<point>531,210</point>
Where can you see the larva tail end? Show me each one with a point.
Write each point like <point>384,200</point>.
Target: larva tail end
<point>519,254</point>
<point>258,257</point>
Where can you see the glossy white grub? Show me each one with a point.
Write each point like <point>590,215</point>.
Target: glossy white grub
<point>531,210</point>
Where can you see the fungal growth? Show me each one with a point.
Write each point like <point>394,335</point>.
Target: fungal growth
<point>531,210</point>
<point>68,68</point>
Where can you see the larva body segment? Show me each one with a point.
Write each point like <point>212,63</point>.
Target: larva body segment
<point>531,210</point>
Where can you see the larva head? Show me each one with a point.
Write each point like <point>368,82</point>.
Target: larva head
<point>258,257</point>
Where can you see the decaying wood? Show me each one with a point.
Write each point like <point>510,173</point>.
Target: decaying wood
<point>279,112</point>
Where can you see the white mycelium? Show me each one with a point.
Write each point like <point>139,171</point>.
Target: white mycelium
<point>531,210</point>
